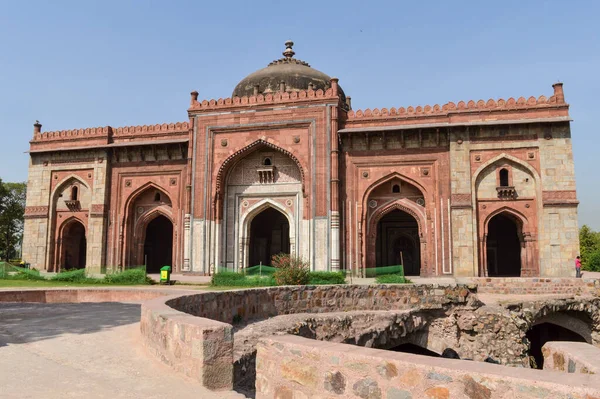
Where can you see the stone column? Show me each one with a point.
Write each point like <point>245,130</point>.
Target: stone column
<point>334,205</point>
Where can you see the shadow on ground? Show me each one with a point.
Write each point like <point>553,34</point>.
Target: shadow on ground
<point>28,322</point>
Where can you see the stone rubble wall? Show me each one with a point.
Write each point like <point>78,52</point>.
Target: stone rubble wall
<point>537,286</point>
<point>571,357</point>
<point>253,304</point>
<point>295,367</point>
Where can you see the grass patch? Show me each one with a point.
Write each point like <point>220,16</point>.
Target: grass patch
<point>234,279</point>
<point>22,277</point>
<point>392,279</point>
<point>324,278</point>
<point>384,270</point>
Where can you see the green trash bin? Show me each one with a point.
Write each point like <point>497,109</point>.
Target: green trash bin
<point>165,275</point>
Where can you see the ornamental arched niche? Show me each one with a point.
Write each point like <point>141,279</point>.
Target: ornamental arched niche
<point>141,207</point>
<point>230,162</point>
<point>63,207</point>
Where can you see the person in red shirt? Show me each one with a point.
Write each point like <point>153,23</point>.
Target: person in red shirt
<point>578,267</point>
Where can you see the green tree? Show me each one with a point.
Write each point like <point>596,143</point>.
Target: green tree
<point>12,212</point>
<point>589,244</point>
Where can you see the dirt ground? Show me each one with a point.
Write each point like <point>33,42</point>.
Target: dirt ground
<point>89,350</point>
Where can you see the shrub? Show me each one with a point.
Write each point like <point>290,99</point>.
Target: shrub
<point>392,279</point>
<point>291,270</point>
<point>318,278</point>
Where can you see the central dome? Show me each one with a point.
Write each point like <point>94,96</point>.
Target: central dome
<point>295,74</point>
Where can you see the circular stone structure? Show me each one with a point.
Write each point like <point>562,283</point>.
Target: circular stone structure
<point>212,337</point>
<point>285,74</point>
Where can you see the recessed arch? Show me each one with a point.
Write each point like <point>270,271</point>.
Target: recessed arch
<point>72,244</point>
<point>54,255</point>
<point>406,206</point>
<point>504,157</point>
<point>136,219</point>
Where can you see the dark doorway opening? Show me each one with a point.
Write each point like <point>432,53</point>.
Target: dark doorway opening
<point>539,334</point>
<point>74,246</point>
<point>158,245</point>
<point>269,235</point>
<point>415,349</point>
<point>398,242</point>
<point>503,247</point>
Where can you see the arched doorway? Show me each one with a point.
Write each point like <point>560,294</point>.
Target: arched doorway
<point>503,247</point>
<point>539,334</point>
<point>269,235</point>
<point>74,246</point>
<point>158,244</point>
<point>398,242</point>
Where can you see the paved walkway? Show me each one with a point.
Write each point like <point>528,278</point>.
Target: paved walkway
<point>89,350</point>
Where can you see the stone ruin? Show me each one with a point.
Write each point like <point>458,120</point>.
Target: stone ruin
<point>213,337</point>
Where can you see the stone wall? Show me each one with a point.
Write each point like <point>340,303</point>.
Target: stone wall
<point>295,367</point>
<point>571,357</point>
<point>200,348</point>
<point>537,286</point>
<point>263,303</point>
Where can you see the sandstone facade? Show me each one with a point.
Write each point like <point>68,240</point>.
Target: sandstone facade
<point>471,188</point>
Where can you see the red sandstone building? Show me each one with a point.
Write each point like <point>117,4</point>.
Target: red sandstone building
<point>475,188</point>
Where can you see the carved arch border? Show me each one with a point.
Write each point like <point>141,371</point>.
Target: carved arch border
<point>404,205</point>
<point>385,179</point>
<point>229,162</point>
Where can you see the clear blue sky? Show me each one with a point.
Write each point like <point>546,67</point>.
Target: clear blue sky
<point>74,64</point>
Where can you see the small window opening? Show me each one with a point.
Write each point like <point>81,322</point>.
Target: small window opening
<point>396,188</point>
<point>74,193</point>
<point>157,197</point>
<point>267,162</point>
<point>503,177</point>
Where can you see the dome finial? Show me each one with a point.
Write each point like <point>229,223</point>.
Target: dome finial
<point>289,53</point>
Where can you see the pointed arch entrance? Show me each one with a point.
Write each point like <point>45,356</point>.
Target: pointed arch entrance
<point>269,235</point>
<point>158,244</point>
<point>151,235</point>
<point>73,241</point>
<point>504,243</point>
<point>398,242</point>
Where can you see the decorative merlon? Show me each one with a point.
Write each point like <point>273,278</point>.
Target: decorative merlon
<point>106,131</point>
<point>557,99</point>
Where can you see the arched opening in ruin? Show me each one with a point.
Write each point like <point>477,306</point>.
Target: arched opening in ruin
<point>398,242</point>
<point>414,349</point>
<point>269,235</point>
<point>503,246</point>
<point>539,334</point>
<point>74,246</point>
<point>158,244</point>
